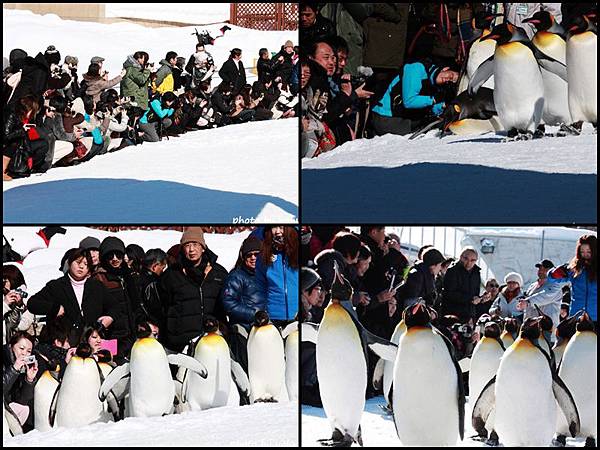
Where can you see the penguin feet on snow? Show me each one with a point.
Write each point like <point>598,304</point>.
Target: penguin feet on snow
<point>590,442</point>
<point>493,440</point>
<point>561,440</point>
<point>518,135</point>
<point>337,440</point>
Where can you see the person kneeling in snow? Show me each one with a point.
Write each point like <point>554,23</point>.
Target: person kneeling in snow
<point>156,118</point>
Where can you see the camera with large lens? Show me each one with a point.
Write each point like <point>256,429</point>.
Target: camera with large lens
<point>21,292</point>
<point>466,331</point>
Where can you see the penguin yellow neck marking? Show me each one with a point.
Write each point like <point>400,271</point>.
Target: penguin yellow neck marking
<point>146,342</point>
<point>212,339</point>
<point>585,36</point>
<point>523,345</point>
<point>512,49</point>
<point>336,314</point>
<point>416,329</point>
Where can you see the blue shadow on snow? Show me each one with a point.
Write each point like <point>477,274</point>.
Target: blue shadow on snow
<point>446,193</point>
<point>125,201</point>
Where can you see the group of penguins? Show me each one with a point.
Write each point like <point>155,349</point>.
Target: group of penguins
<point>208,377</point>
<point>522,391</point>
<point>516,84</point>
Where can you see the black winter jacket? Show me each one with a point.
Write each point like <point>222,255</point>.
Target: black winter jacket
<point>150,307</point>
<point>35,79</point>
<point>264,68</point>
<point>283,68</point>
<point>15,135</point>
<point>15,386</point>
<point>234,73</point>
<point>242,297</point>
<point>97,302</point>
<point>221,103</point>
<point>420,283</point>
<point>191,293</point>
<point>460,287</point>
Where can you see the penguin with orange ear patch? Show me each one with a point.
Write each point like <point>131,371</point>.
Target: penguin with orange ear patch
<point>425,363</point>
<point>524,394</point>
<point>341,344</point>
<point>579,370</point>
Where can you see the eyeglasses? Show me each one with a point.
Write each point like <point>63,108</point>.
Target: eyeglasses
<point>251,254</point>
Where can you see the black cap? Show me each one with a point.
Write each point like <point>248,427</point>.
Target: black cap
<point>90,243</point>
<point>545,263</point>
<point>308,279</point>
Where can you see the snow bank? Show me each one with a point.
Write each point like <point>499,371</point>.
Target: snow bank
<point>268,425</point>
<point>378,429</point>
<point>456,179</point>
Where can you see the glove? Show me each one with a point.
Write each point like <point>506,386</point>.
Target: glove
<point>438,108</point>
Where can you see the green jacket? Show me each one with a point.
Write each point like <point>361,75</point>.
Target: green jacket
<point>135,82</point>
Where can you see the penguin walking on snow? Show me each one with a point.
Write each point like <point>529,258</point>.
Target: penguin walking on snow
<point>484,365</point>
<point>582,71</point>
<point>518,83</point>
<point>341,346</point>
<point>579,371</point>
<point>428,394</point>
<point>383,375</point>
<point>151,385</point>
<point>524,394</point>
<point>550,39</point>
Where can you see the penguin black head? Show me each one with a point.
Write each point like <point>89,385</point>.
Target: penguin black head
<point>541,20</point>
<point>511,325</point>
<point>531,328</point>
<point>505,33</point>
<point>261,318</point>
<point>143,330</point>
<point>584,323</point>
<point>416,315</point>
<point>483,20</point>
<point>566,329</point>
<point>580,24</point>
<point>104,356</point>
<point>84,350</point>
<point>546,322</point>
<point>211,324</point>
<point>491,330</point>
<point>341,289</point>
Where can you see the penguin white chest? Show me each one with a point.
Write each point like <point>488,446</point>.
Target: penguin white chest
<point>484,365</point>
<point>77,403</point>
<point>213,352</point>
<point>581,73</point>
<point>519,88</point>
<point>579,371</point>
<point>151,389</point>
<point>341,370</point>
<point>291,364</point>
<point>42,398</point>
<point>266,363</point>
<point>525,405</point>
<point>425,397</point>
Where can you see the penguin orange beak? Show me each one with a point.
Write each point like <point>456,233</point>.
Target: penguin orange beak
<point>532,20</point>
<point>416,308</point>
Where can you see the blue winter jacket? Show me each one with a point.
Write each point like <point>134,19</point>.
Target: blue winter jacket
<point>584,292</point>
<point>279,282</point>
<point>413,76</point>
<point>242,297</point>
<point>158,109</point>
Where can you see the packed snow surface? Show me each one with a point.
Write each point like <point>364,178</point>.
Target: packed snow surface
<point>456,179</point>
<point>378,429</point>
<point>192,13</point>
<point>258,425</point>
<point>239,172</point>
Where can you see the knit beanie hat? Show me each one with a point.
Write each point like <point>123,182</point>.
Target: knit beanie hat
<point>111,244</point>
<point>90,242</point>
<point>73,60</point>
<point>250,244</point>
<point>193,234</point>
<point>431,257</point>
<point>308,279</point>
<point>52,55</point>
<point>514,276</point>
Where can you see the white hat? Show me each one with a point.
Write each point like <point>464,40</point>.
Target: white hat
<point>514,276</point>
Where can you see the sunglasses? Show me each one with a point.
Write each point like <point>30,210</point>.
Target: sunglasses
<point>50,109</point>
<point>493,285</point>
<point>251,254</point>
<point>113,255</point>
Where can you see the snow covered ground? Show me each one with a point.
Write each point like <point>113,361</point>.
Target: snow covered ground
<point>205,176</point>
<point>456,179</point>
<point>378,429</point>
<point>176,12</point>
<point>258,425</point>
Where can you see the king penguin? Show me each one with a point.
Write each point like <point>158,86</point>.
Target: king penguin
<point>76,403</point>
<point>518,83</point>
<point>579,371</point>
<point>564,332</point>
<point>383,375</point>
<point>266,361</point>
<point>428,393</point>
<point>211,351</point>
<point>43,394</point>
<point>151,385</point>
<point>292,348</point>
<point>484,365</point>
<point>510,332</point>
<point>582,71</point>
<point>550,39</point>
<point>524,394</point>
<point>341,347</point>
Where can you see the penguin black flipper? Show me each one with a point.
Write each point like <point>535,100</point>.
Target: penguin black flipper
<point>112,379</point>
<point>548,62</point>
<point>308,332</point>
<point>481,75</point>
<point>565,400</point>
<point>52,409</point>
<point>381,347</point>
<point>187,362</point>
<point>459,380</point>
<point>12,421</point>
<point>484,406</point>
<point>240,378</point>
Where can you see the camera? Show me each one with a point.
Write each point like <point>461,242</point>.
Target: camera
<point>465,331</point>
<point>21,292</point>
<point>30,360</point>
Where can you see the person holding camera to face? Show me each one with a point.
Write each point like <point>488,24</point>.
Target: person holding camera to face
<point>14,311</point>
<point>136,80</point>
<point>97,81</point>
<point>19,371</point>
